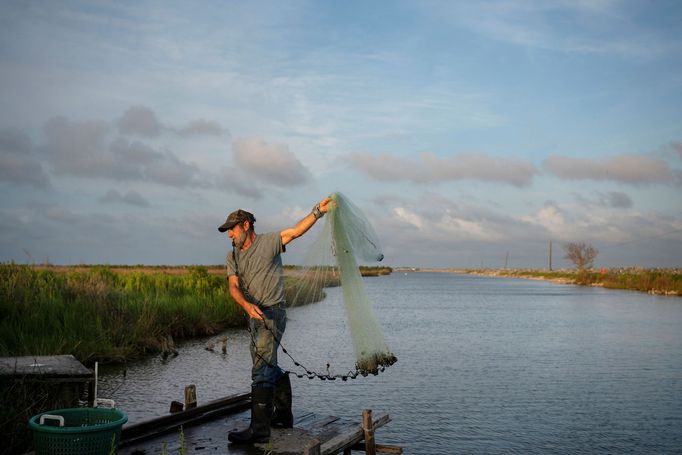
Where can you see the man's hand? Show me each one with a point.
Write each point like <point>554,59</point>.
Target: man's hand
<point>253,311</point>
<point>326,204</point>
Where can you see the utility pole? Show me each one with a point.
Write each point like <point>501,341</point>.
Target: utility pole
<point>550,255</point>
<point>506,261</point>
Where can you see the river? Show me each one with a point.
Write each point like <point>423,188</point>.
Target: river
<point>485,365</point>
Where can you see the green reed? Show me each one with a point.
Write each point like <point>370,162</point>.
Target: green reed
<point>98,314</point>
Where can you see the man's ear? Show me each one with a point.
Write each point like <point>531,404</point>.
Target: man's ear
<point>247,226</point>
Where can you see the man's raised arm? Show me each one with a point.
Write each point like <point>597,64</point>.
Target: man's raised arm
<point>306,223</point>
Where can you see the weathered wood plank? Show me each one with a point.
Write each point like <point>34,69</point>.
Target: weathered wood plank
<point>44,367</point>
<point>211,410</point>
<point>289,440</point>
<point>379,448</point>
<point>352,437</point>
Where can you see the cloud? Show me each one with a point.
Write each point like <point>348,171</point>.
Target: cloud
<point>624,168</point>
<point>568,222</point>
<point>139,120</point>
<point>439,221</point>
<point>611,199</point>
<point>270,163</point>
<point>587,27</point>
<point>17,163</point>
<point>617,200</point>
<point>131,197</point>
<point>202,127</point>
<point>233,180</point>
<point>677,146</point>
<point>429,168</point>
<point>75,148</point>
<point>80,149</point>
<point>143,121</point>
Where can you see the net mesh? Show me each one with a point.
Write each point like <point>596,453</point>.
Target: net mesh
<point>346,237</point>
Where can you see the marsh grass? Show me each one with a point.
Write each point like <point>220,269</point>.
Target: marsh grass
<point>116,313</point>
<point>653,281</point>
<point>98,314</point>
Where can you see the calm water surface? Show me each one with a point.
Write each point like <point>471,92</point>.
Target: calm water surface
<point>485,366</point>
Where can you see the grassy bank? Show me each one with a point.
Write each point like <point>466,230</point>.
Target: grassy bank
<point>654,281</point>
<point>115,313</point>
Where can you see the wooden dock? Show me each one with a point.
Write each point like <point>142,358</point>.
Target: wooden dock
<point>204,429</point>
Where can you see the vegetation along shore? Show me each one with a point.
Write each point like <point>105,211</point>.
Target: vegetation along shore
<point>117,313</point>
<point>653,281</point>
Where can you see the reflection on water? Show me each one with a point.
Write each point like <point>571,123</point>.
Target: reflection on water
<point>485,365</point>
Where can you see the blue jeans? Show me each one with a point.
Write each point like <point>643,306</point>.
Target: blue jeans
<point>265,338</point>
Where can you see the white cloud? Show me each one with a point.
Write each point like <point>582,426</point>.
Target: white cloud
<point>270,163</point>
<point>408,217</point>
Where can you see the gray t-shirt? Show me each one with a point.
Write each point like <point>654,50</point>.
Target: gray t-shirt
<point>259,269</point>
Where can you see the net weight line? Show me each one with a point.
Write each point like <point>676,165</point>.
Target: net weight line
<point>310,374</point>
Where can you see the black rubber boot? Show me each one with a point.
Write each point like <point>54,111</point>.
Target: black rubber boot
<point>282,417</point>
<point>261,412</point>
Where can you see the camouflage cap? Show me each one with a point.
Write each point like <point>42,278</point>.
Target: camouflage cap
<point>235,218</point>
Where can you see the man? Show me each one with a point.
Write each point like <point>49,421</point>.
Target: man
<point>256,283</point>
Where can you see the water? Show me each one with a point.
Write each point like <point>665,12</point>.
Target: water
<point>485,366</point>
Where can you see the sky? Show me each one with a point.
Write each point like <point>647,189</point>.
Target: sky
<point>470,134</point>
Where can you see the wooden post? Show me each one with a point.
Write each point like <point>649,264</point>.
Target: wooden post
<point>190,397</point>
<point>312,448</point>
<point>175,406</point>
<point>368,428</point>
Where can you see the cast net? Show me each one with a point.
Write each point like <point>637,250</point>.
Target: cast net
<point>346,237</point>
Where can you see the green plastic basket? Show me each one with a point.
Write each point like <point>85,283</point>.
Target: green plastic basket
<point>91,431</point>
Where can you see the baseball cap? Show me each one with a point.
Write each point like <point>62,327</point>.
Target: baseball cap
<point>235,218</point>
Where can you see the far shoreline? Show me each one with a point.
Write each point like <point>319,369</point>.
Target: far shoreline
<point>657,281</point>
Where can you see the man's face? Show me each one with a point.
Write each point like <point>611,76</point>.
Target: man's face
<point>238,235</point>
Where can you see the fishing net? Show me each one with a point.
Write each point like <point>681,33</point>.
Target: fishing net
<point>346,237</point>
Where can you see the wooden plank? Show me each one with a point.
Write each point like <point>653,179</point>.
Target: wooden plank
<point>211,410</point>
<point>44,367</point>
<point>290,440</point>
<point>380,448</point>
<point>347,439</point>
<point>303,419</point>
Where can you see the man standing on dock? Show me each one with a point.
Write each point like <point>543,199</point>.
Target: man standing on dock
<point>256,283</point>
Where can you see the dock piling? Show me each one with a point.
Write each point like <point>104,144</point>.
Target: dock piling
<point>190,397</point>
<point>368,428</point>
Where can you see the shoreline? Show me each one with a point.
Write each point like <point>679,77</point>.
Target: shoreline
<point>666,282</point>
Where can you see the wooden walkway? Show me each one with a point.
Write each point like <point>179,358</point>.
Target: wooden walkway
<point>205,429</point>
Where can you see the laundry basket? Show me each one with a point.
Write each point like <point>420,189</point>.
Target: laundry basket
<point>73,431</point>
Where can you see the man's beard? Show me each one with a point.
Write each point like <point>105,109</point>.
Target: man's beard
<point>239,242</point>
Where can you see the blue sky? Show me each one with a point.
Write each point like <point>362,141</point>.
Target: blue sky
<point>470,133</point>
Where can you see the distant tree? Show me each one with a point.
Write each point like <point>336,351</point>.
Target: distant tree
<point>580,254</point>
